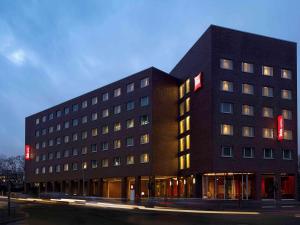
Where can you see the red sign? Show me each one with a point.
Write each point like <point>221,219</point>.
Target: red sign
<point>198,82</point>
<point>280,128</point>
<point>27,152</point>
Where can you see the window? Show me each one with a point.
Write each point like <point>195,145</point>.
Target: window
<point>58,113</point>
<point>37,145</point>
<point>268,153</point>
<point>66,111</point>
<point>84,119</point>
<point>66,139</point>
<point>94,147</point>
<point>44,119</point>
<point>117,126</point>
<point>268,133</point>
<point>58,140</point>
<point>187,86</point>
<point>130,160</point>
<point>84,135</point>
<point>104,146</point>
<point>94,164</point>
<point>74,151</point>
<point>130,87</point>
<point>105,97</point>
<point>117,92</point>
<point>117,161</point>
<point>226,107</point>
<point>43,170</point>
<point>187,142</point>
<point>75,108</point>
<point>66,167</point>
<point>130,123</point>
<point>75,166</point>
<point>117,109</point>
<point>247,89</point>
<point>57,168</point>
<point>84,165</point>
<point>286,94</point>
<point>37,171</point>
<point>287,154</point>
<point>288,135</point>
<point>51,129</point>
<point>104,162</point>
<point>145,82</point>
<point>66,153</point>
<point>181,126</point>
<point>117,144</point>
<point>226,86</point>
<point>37,133</point>
<point>286,74</point>
<point>187,123</point>
<point>129,141</point>
<point>43,157</point>
<point>181,108</point>
<point>84,104</point>
<point>287,114</point>
<point>44,131</point>
<point>187,104</point>
<point>94,116</point>
<point>51,116</point>
<point>144,120</point>
<point>226,129</point>
<point>58,127</point>
<point>267,112</point>
<point>84,150</point>
<point>267,91</point>
<point>37,121</point>
<point>144,158</point>
<point>94,132</point>
<point>37,158</point>
<point>50,169</point>
<point>50,142</point>
<point>248,132</point>
<point>105,113</point>
<point>44,144</point>
<point>57,155</point>
<point>50,156</point>
<point>247,110</point>
<point>248,152</point>
<point>144,101</point>
<point>66,124</point>
<point>144,139</point>
<point>226,64</point>
<point>247,67</point>
<point>267,70</point>
<point>75,122</point>
<point>105,129</point>
<point>181,144</point>
<point>94,100</point>
<point>226,151</point>
<point>181,90</point>
<point>130,105</point>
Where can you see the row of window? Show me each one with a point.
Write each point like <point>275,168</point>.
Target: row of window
<point>249,152</point>
<point>247,67</point>
<point>248,131</point>
<point>144,139</point>
<point>117,161</point>
<point>105,97</point>
<point>130,123</point>
<point>249,90</point>
<point>248,110</point>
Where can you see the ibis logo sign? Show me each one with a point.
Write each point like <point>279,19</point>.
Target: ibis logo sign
<point>280,128</point>
<point>27,152</point>
<point>198,81</point>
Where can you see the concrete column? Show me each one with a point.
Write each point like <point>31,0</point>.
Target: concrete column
<point>88,191</point>
<point>277,186</point>
<point>124,188</point>
<point>198,186</point>
<point>258,190</point>
<point>151,186</point>
<point>100,187</point>
<point>137,188</point>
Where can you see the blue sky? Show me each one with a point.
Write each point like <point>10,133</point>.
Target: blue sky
<point>54,50</point>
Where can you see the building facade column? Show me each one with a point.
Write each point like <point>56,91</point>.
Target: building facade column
<point>198,186</point>
<point>258,190</point>
<point>137,188</point>
<point>124,188</point>
<point>151,186</point>
<point>100,187</point>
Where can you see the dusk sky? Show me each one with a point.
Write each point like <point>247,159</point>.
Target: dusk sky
<point>51,51</point>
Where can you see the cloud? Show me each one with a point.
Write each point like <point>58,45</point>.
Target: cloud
<point>17,57</point>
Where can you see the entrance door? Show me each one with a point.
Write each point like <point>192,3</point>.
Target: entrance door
<point>268,187</point>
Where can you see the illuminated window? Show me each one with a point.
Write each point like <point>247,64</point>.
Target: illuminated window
<point>181,126</point>
<point>268,153</point>
<point>248,152</point>
<point>181,109</point>
<point>267,70</point>
<point>226,86</point>
<point>130,87</point>
<point>117,161</point>
<point>84,165</point>
<point>50,169</point>
<point>104,163</point>
<point>75,108</point>
<point>286,94</point>
<point>187,104</point>
<point>94,147</point>
<point>66,167</point>
<point>130,105</point>
<point>187,142</point>
<point>247,110</point>
<point>37,121</point>
<point>247,89</point>
<point>84,135</point>
<point>74,166</point>
<point>94,100</point>
<point>267,112</point>
<point>226,107</point>
<point>286,74</point>
<point>145,82</point>
<point>84,104</point>
<point>117,126</point>
<point>226,129</point>
<point>94,164</point>
<point>37,171</point>
<point>226,64</point>
<point>247,67</point>
<point>248,132</point>
<point>144,158</point>
<point>117,109</point>
<point>181,90</point>
<point>104,146</point>
<point>94,116</point>
<point>226,151</point>
<point>117,92</point>
<point>43,170</point>
<point>130,159</point>
<point>287,154</point>
<point>105,96</point>
<point>267,91</point>
<point>144,101</point>
<point>144,120</point>
<point>187,123</point>
<point>84,150</point>
<point>117,144</point>
<point>129,142</point>
<point>187,161</point>
<point>268,133</point>
<point>130,123</point>
<point>144,139</point>
<point>288,135</point>
<point>287,114</point>
<point>181,144</point>
<point>105,113</point>
<point>105,130</point>
<point>181,162</point>
<point>187,86</point>
<point>84,119</point>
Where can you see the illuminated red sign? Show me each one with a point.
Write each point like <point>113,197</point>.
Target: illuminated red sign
<point>280,128</point>
<point>198,82</point>
<point>27,152</point>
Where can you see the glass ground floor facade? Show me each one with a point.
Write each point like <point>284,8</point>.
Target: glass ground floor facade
<point>210,186</point>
